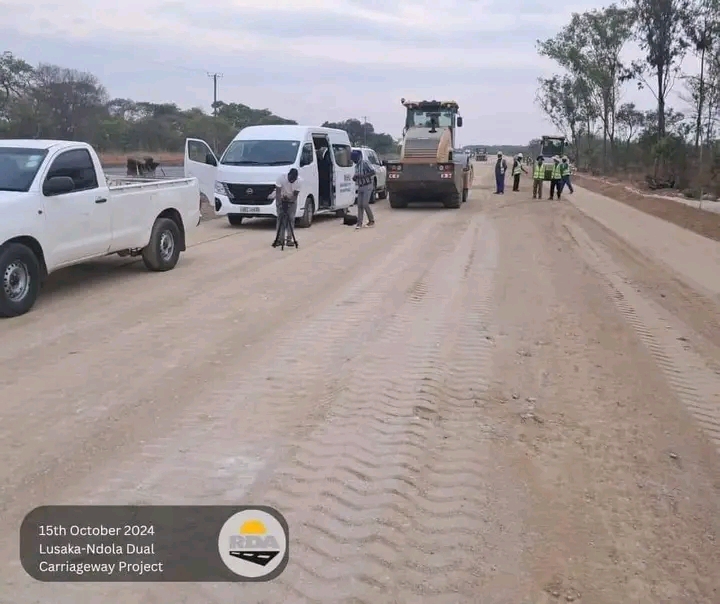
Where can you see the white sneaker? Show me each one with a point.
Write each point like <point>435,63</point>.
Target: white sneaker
<point>358,227</point>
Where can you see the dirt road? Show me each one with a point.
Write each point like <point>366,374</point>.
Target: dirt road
<point>507,403</point>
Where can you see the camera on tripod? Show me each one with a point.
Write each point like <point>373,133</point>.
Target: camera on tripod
<point>285,225</point>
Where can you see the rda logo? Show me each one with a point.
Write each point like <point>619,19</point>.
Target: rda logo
<point>254,543</point>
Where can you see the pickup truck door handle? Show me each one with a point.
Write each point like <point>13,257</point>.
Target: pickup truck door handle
<point>101,200</point>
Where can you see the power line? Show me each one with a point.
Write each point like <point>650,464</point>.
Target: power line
<point>215,77</point>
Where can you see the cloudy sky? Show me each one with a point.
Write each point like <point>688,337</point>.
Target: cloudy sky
<point>310,60</point>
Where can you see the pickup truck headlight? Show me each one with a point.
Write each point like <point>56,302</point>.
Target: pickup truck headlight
<point>221,189</point>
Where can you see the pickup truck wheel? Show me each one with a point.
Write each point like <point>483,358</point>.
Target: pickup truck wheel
<point>374,194</point>
<point>20,275</point>
<point>163,251</point>
<point>235,219</point>
<point>306,221</point>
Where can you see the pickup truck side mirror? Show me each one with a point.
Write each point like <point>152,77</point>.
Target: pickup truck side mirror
<point>210,160</point>
<point>459,122</point>
<point>57,185</point>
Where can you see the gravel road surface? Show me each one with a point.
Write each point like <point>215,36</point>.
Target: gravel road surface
<point>517,402</point>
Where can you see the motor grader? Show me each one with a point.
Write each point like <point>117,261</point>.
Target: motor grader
<point>428,168</point>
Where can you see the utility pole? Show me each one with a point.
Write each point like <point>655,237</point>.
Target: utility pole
<point>215,77</point>
<point>364,130</point>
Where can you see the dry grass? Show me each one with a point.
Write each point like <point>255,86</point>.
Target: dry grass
<point>164,158</point>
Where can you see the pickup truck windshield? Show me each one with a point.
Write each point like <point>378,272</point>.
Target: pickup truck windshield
<point>261,153</point>
<point>18,167</point>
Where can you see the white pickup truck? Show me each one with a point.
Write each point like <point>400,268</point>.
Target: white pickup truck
<point>57,209</point>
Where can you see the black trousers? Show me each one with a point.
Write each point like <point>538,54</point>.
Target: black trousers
<point>516,182</point>
<point>555,185</point>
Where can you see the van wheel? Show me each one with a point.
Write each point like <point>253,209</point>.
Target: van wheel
<point>163,251</point>
<point>306,221</point>
<point>397,201</point>
<point>235,219</point>
<point>453,201</point>
<point>20,276</point>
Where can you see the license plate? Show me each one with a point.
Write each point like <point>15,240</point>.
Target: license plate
<point>249,209</point>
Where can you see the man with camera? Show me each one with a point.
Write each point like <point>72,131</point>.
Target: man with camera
<point>287,190</point>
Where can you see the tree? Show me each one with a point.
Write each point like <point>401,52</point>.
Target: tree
<point>660,27</point>
<point>361,133</point>
<point>567,103</point>
<point>15,78</point>
<point>630,120</point>
<point>701,32</point>
<point>589,48</point>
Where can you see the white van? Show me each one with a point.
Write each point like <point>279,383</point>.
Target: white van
<point>242,182</point>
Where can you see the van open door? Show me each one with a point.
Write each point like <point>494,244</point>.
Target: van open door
<point>201,163</point>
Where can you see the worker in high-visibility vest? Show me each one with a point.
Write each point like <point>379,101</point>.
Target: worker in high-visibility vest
<point>538,177</point>
<point>565,174</point>
<point>555,179</point>
<point>517,169</point>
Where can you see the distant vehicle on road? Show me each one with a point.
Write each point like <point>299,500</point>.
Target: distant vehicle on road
<point>369,155</point>
<point>57,209</point>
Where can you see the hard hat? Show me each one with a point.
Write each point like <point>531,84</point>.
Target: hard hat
<point>565,158</point>
<point>556,158</point>
<point>520,155</point>
<point>499,153</point>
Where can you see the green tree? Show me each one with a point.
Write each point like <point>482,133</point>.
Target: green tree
<point>660,28</point>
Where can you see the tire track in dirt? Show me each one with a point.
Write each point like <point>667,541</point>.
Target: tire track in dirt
<point>61,327</point>
<point>355,487</point>
<point>694,383</point>
<point>191,452</point>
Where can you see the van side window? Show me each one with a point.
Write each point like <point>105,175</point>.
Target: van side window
<point>343,155</point>
<point>373,158</point>
<point>78,165</point>
<point>306,158</point>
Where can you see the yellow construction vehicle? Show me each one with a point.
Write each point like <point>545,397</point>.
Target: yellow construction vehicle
<point>428,169</point>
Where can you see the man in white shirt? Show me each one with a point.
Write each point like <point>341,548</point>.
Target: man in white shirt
<point>287,189</point>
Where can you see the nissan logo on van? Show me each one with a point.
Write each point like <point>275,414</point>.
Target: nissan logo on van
<point>248,191</point>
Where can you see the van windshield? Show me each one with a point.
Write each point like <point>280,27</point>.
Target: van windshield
<point>18,167</point>
<point>261,153</point>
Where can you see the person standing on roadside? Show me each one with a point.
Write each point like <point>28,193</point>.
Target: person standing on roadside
<point>555,179</point>
<point>500,169</point>
<point>565,174</point>
<point>538,177</point>
<point>287,190</point>
<point>364,174</point>
<point>516,170</point>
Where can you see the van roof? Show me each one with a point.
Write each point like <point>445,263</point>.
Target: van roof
<point>286,132</point>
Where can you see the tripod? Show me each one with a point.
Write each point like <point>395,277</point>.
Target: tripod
<point>286,221</point>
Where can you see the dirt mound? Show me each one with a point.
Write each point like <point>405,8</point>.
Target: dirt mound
<point>696,220</point>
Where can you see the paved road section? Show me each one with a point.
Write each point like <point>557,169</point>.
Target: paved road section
<point>506,403</point>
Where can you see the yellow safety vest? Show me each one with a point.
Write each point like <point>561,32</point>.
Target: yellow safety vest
<point>565,169</point>
<point>539,171</point>
<point>517,169</point>
<point>557,172</point>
